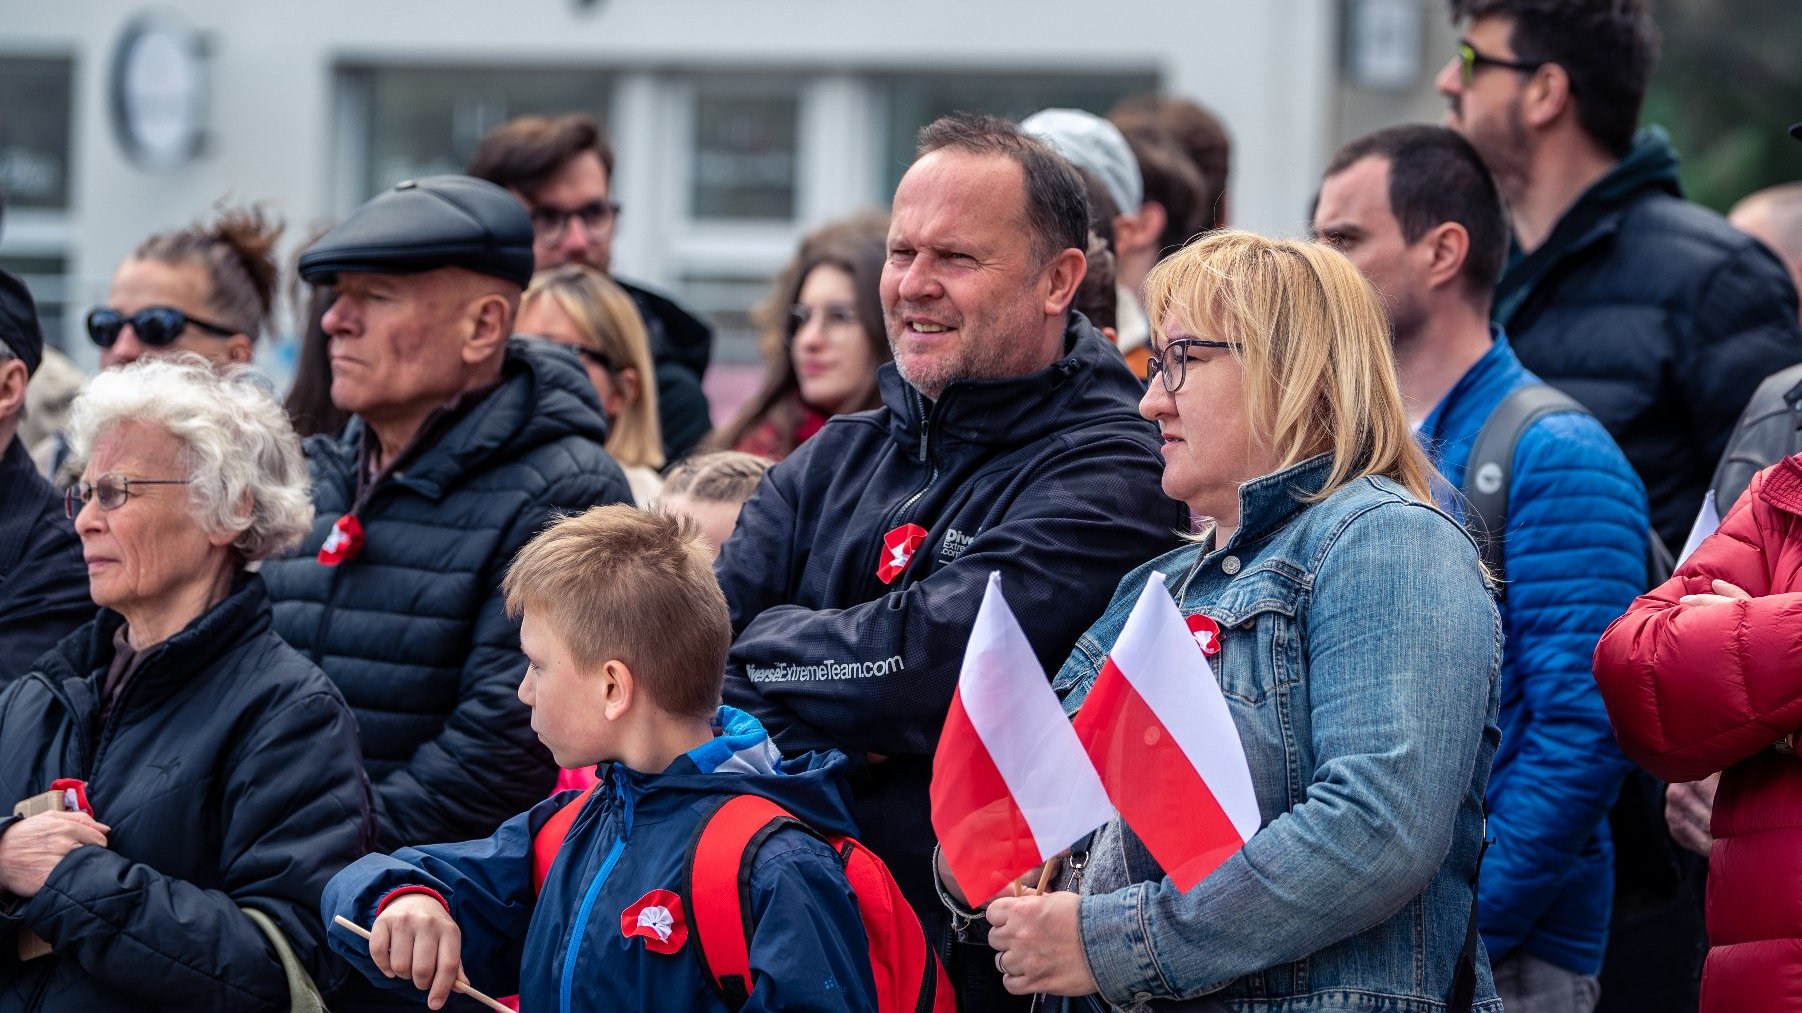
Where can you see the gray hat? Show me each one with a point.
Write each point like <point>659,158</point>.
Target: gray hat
<point>1092,143</point>
<point>425,224</point>
<point>19,328</point>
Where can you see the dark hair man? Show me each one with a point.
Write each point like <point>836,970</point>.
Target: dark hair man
<point>1008,440</point>
<point>462,444</point>
<point>43,581</point>
<point>1414,208</point>
<point>1198,134</point>
<point>1651,311</point>
<point>561,169</point>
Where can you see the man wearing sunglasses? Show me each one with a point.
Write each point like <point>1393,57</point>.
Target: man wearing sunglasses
<point>561,170</point>
<point>1652,312</point>
<point>462,444</point>
<point>43,581</point>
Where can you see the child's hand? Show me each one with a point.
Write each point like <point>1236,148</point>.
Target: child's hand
<point>414,937</point>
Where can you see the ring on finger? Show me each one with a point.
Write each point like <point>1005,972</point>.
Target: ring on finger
<point>999,966</point>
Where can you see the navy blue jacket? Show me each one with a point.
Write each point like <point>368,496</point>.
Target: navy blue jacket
<point>43,581</point>
<point>412,629</point>
<point>567,949</point>
<point>1659,317</point>
<point>1575,554</point>
<point>1051,478</point>
<point>228,772</point>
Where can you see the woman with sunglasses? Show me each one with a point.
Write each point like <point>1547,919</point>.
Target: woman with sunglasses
<point>206,289</point>
<point>587,312</point>
<point>823,341</point>
<point>188,781</point>
<point>1355,644</point>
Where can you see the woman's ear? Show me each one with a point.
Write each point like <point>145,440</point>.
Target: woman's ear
<point>626,382</point>
<point>238,348</point>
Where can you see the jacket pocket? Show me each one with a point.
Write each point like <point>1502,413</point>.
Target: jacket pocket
<point>1256,616</point>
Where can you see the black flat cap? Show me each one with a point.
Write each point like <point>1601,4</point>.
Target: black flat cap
<point>425,224</point>
<point>19,328</point>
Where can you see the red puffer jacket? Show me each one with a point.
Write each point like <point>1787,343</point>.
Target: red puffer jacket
<point>1693,689</point>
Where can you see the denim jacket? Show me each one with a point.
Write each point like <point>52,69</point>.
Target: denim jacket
<point>1359,658</point>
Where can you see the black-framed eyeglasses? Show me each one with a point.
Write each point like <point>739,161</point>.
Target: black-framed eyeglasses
<point>1469,60</point>
<point>549,223</point>
<point>111,490</point>
<point>1172,362</point>
<point>837,314</point>
<point>155,326</point>
<point>601,359</point>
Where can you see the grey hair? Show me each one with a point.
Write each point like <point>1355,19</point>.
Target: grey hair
<point>244,465</point>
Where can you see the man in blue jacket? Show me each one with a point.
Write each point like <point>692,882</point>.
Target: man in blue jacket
<point>1008,440</point>
<point>1419,214</point>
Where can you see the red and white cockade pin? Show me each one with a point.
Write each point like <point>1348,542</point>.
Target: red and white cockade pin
<point>1206,633</point>
<point>656,918</point>
<point>898,550</point>
<point>345,541</point>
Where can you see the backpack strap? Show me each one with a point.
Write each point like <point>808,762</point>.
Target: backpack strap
<point>549,839</point>
<point>717,887</point>
<point>1490,471</point>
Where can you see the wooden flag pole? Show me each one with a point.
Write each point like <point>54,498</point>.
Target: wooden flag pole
<point>460,986</point>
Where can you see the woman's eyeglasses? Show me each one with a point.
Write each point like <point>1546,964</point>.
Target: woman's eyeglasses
<point>155,326</point>
<point>1173,362</point>
<point>832,315</point>
<point>111,490</point>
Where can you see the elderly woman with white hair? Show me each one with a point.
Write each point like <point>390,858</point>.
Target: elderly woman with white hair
<point>186,781</point>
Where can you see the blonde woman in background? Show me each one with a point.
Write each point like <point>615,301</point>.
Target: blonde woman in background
<point>585,311</point>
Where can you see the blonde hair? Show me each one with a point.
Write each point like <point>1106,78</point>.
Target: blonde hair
<point>723,476</point>
<point>610,325</point>
<point>621,583</point>
<point>1319,365</point>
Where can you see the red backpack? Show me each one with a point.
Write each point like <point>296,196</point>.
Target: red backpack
<point>909,976</point>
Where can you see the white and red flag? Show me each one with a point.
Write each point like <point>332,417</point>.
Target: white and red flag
<point>1011,785</point>
<point>1158,729</point>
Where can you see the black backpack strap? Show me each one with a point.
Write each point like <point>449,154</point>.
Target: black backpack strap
<point>1491,469</point>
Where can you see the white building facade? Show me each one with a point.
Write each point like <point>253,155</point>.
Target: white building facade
<point>737,124</point>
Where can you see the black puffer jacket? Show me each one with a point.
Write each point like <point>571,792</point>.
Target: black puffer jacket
<point>681,345</point>
<point>1659,317</point>
<point>229,774</point>
<point>412,630</point>
<point>43,582</point>
<point>1051,478</point>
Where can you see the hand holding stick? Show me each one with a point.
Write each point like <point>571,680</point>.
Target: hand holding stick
<point>460,986</point>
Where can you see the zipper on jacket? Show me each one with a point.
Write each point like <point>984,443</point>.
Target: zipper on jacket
<point>567,982</point>
<point>901,513</point>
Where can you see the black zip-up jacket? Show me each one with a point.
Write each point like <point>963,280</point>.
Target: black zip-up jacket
<point>412,629</point>
<point>229,774</point>
<point>1051,478</point>
<point>43,582</point>
<point>1659,317</point>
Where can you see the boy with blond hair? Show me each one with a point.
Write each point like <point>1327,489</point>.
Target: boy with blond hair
<point>625,631</point>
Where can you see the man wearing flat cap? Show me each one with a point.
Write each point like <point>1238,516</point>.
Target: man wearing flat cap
<point>43,581</point>
<point>462,444</point>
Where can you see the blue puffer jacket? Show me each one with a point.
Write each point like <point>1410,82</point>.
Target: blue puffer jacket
<point>1575,553</point>
<point>412,629</point>
<point>567,948</point>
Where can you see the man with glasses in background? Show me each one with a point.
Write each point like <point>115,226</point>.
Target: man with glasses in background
<point>561,169</point>
<point>1652,312</point>
<point>43,581</point>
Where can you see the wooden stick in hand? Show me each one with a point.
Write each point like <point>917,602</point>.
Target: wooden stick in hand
<point>461,985</point>
<point>1044,877</point>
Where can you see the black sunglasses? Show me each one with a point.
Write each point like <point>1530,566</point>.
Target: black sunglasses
<point>155,326</point>
<point>1469,59</point>
<point>1173,362</point>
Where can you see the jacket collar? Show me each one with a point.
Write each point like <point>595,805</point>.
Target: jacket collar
<point>1014,411</point>
<point>1782,487</point>
<point>1268,503</point>
<point>543,394</point>
<point>1474,396</point>
<point>243,613</point>
<point>1650,166</point>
